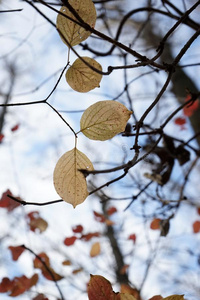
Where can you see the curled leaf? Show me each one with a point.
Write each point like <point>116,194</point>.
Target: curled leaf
<point>104,119</point>
<point>81,77</point>
<point>72,32</point>
<point>69,182</point>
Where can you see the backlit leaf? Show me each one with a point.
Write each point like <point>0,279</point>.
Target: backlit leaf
<point>69,182</point>
<point>157,297</point>
<point>81,77</point>
<point>95,249</point>
<point>104,119</point>
<point>99,288</point>
<point>71,31</point>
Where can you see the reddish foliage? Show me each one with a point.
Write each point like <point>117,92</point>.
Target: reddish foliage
<point>14,128</point>
<point>16,251</point>
<point>77,229</point>
<point>70,241</point>
<point>44,265</point>
<point>6,202</point>
<point>111,210</point>
<point>196,226</point>
<point>99,288</point>
<point>99,217</point>
<point>132,237</point>
<point>181,122</point>
<point>18,285</point>
<point>155,224</point>
<point>38,263</point>
<point>36,222</point>
<point>89,236</point>
<point>1,137</point>
<point>190,109</point>
<point>5,285</point>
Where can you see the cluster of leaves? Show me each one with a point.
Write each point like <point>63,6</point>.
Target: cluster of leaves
<point>101,121</point>
<point>99,288</point>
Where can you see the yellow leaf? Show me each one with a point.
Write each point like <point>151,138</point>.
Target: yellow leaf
<point>104,119</point>
<point>82,78</point>
<point>69,182</point>
<point>72,32</point>
<point>95,249</point>
<point>174,297</point>
<point>126,297</point>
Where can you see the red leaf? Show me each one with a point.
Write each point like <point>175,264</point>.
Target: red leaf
<point>111,210</point>
<point>1,137</point>
<point>37,263</point>
<point>6,202</point>
<point>196,226</point>
<point>18,285</point>
<point>45,267</point>
<point>5,285</point>
<point>180,121</point>
<point>99,217</point>
<point>99,288</point>
<point>190,109</point>
<point>77,229</point>
<point>70,240</point>
<point>16,251</point>
<point>89,236</point>
<point>155,224</point>
<point>132,237</point>
<point>14,128</point>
